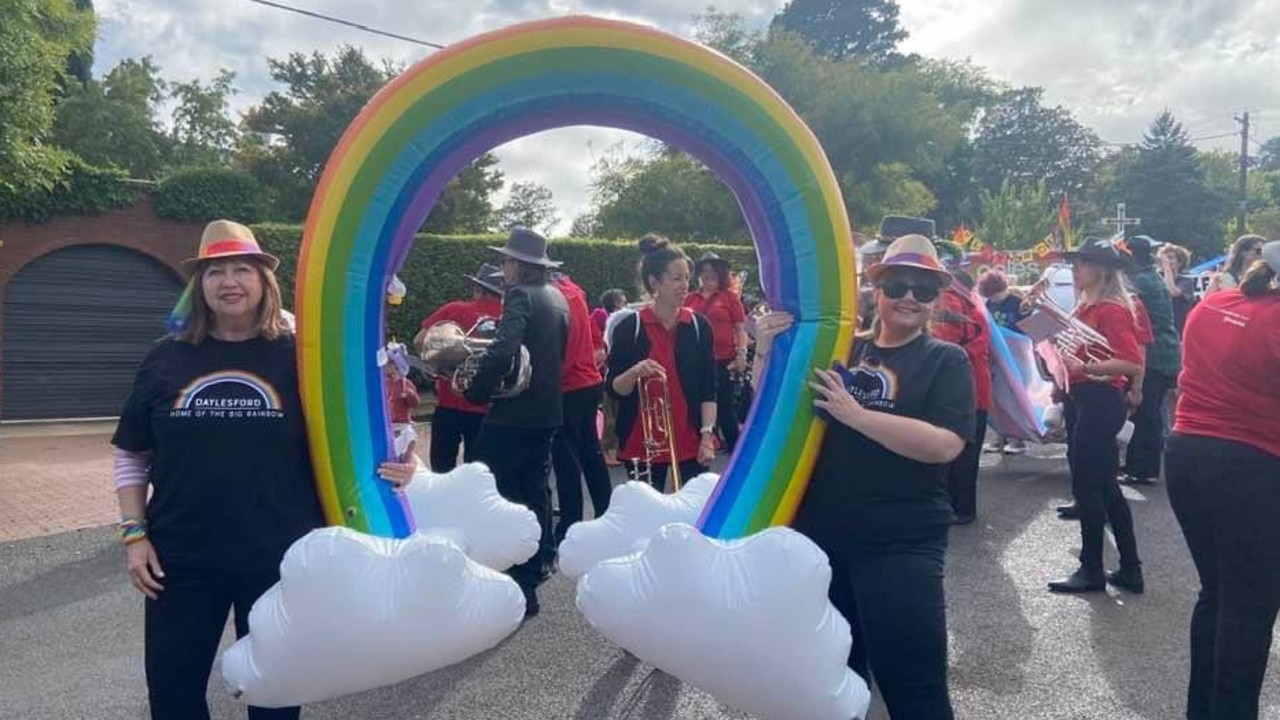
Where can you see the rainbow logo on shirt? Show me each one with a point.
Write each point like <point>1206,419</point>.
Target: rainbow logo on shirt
<point>228,390</point>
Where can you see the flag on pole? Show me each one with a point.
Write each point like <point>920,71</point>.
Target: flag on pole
<point>962,236</point>
<point>1064,224</point>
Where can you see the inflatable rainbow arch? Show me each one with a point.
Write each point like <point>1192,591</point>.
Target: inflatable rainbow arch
<point>428,124</point>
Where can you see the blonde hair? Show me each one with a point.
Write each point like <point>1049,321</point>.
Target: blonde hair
<point>1180,255</point>
<point>271,323</point>
<point>1114,288</point>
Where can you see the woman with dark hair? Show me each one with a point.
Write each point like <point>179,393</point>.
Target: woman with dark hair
<point>719,302</point>
<point>1095,411</point>
<point>1222,463</point>
<point>611,301</point>
<point>1244,252</point>
<point>214,426</point>
<point>877,503</point>
<point>665,339</point>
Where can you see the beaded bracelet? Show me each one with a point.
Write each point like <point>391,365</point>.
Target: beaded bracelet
<point>131,531</point>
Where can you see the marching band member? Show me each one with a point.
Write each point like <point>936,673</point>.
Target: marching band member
<point>665,339</point>
<point>1223,468</point>
<point>456,422</point>
<point>877,503</point>
<point>1095,410</point>
<point>721,305</point>
<point>515,438</point>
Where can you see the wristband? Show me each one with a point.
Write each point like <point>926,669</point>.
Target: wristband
<point>131,531</point>
<point>708,430</point>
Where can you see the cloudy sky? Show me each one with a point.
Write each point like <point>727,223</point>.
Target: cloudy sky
<point>1115,63</point>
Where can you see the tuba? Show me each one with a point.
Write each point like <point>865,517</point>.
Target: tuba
<point>449,351</point>
<point>657,428</point>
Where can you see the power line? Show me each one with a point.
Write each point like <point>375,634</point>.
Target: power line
<point>348,23</point>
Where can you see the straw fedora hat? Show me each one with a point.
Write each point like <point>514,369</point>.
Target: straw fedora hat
<point>225,239</point>
<point>913,251</point>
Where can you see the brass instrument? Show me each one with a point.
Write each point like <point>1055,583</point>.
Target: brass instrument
<point>449,351</point>
<point>658,428</point>
<point>1072,335</point>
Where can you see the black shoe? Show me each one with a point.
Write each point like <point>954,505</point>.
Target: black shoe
<point>531,606</point>
<point>1136,480</point>
<point>963,519</point>
<point>1069,512</point>
<point>1080,581</point>
<point>1130,580</point>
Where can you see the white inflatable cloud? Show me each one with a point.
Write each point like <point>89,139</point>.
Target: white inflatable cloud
<point>746,620</point>
<point>464,506</point>
<point>636,513</point>
<point>353,612</point>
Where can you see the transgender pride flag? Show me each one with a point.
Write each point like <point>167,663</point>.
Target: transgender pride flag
<point>1019,394</point>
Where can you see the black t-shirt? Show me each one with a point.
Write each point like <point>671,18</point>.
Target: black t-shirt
<point>866,495</point>
<point>1007,312</point>
<point>1182,304</point>
<point>231,474</point>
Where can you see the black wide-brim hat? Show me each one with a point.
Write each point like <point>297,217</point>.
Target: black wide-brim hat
<point>893,227</point>
<point>526,246</point>
<point>1100,252</point>
<point>484,277</point>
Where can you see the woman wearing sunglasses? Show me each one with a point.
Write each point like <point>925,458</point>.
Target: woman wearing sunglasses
<point>877,503</point>
<point>1095,410</point>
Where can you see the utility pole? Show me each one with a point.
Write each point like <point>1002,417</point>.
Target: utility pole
<point>1242,216</point>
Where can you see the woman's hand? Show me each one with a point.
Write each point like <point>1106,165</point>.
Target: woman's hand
<point>1073,364</point>
<point>143,566</point>
<point>739,363</point>
<point>647,369</point>
<point>769,327</point>
<point>400,474</point>
<point>835,399</point>
<point>707,449</point>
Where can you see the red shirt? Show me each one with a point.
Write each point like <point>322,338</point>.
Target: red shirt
<point>960,320</point>
<point>402,398</point>
<point>579,369</point>
<point>662,348</point>
<point>725,312</point>
<point>1230,382</point>
<point>1119,327</point>
<point>464,313</point>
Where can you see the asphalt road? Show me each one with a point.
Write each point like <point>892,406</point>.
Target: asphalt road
<point>71,635</point>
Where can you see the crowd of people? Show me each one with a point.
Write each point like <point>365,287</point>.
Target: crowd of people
<point>907,414</point>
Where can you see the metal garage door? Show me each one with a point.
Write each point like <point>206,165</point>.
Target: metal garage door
<point>76,324</point>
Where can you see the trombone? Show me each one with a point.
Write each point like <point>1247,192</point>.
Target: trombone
<point>657,428</point>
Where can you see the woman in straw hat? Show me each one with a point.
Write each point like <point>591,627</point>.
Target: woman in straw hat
<point>1223,467</point>
<point>877,503</point>
<point>214,426</point>
<point>1095,410</point>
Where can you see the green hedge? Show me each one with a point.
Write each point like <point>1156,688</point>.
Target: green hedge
<point>204,194</point>
<point>82,190</point>
<point>433,272</point>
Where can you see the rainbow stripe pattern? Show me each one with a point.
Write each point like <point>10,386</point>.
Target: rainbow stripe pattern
<point>429,123</point>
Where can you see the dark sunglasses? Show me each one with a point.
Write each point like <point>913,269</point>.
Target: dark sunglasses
<point>897,289</point>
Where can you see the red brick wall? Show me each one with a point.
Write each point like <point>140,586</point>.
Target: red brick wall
<point>135,227</point>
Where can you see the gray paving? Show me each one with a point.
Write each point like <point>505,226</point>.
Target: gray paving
<point>71,636</point>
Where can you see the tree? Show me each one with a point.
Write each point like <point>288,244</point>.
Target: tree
<point>666,192</point>
<point>727,33</point>
<point>289,136</point>
<point>530,205</point>
<point>80,60</point>
<point>1022,141</point>
<point>36,38</point>
<point>586,225</point>
<point>203,132</point>
<point>113,122</point>
<point>1016,217</point>
<point>845,29</point>
<point>1164,183</point>
<point>465,206</point>
<point>1269,155</point>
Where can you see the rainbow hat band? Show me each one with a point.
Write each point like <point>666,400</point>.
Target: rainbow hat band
<point>429,123</point>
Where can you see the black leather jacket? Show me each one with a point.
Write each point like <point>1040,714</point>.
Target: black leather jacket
<point>536,316</point>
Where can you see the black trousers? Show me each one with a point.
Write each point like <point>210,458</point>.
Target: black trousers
<point>689,469</point>
<point>182,630</point>
<point>726,406</point>
<point>894,599</point>
<point>1226,496</point>
<point>575,455</point>
<point>1142,459</point>
<point>520,459</point>
<point>962,477</point>
<point>451,429</point>
<point>1094,414</point>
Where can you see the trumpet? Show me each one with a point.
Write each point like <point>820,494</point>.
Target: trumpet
<point>447,350</point>
<point>657,428</point>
